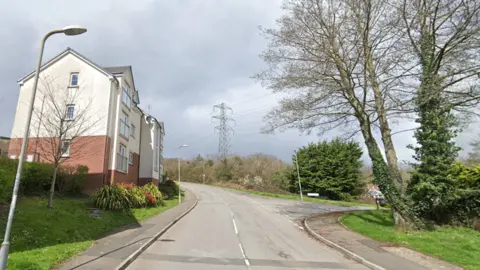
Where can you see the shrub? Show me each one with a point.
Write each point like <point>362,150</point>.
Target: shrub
<point>155,192</point>
<point>137,196</point>
<point>36,178</point>
<point>113,197</point>
<point>70,179</point>
<point>151,201</point>
<point>330,168</point>
<point>169,188</point>
<point>8,164</point>
<point>7,178</point>
<point>465,177</point>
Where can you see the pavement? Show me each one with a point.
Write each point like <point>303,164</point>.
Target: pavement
<point>235,230</point>
<point>377,254</point>
<point>111,250</point>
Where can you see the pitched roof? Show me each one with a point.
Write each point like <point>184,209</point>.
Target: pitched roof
<point>118,70</point>
<point>62,54</point>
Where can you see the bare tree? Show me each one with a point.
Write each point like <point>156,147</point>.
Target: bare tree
<point>340,65</point>
<point>444,37</point>
<point>64,121</point>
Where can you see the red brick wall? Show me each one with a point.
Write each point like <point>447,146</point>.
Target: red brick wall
<point>88,151</point>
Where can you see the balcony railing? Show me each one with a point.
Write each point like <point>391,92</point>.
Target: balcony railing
<point>122,163</point>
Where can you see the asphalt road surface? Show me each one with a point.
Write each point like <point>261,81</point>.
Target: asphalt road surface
<point>233,230</point>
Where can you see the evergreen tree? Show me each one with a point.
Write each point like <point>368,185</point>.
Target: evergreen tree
<point>430,187</point>
<point>331,169</point>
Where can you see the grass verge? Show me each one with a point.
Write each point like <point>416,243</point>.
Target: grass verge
<point>453,244</point>
<point>42,238</point>
<point>296,197</point>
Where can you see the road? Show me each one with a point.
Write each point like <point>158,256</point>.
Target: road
<point>232,230</point>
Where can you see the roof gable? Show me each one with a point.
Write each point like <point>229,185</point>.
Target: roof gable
<point>62,55</point>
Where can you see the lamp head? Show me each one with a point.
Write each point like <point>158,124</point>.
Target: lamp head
<point>73,30</point>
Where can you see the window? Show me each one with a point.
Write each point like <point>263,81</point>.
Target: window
<point>65,148</point>
<point>130,158</point>
<point>135,98</point>
<point>126,96</point>
<point>122,158</point>
<point>132,130</point>
<point>124,127</point>
<point>70,112</point>
<point>74,79</point>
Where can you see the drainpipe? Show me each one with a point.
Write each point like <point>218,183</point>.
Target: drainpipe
<point>106,149</point>
<point>115,136</point>
<point>140,145</point>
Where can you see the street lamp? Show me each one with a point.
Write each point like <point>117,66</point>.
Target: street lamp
<point>298,173</point>
<point>69,31</point>
<point>179,191</point>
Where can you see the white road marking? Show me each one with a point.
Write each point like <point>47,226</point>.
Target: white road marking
<point>247,262</point>
<point>245,259</point>
<point>235,226</point>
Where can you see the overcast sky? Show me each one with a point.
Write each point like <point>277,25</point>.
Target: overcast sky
<point>187,56</point>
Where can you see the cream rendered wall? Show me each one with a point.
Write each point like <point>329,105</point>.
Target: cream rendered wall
<point>112,125</point>
<point>93,86</point>
<point>134,115</point>
<point>146,152</point>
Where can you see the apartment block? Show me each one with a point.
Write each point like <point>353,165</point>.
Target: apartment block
<point>100,108</point>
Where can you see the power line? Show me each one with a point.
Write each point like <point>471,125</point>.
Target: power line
<point>250,100</point>
<point>254,111</point>
<point>223,128</point>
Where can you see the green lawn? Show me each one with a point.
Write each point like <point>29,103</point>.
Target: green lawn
<point>42,238</point>
<point>454,244</point>
<point>297,197</point>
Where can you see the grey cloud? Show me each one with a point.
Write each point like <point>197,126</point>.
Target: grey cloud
<point>184,54</point>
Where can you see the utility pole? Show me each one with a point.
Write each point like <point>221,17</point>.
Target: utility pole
<point>298,174</point>
<point>223,128</point>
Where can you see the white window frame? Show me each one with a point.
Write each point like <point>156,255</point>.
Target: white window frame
<point>67,118</point>
<point>71,79</point>
<point>130,158</point>
<point>122,157</point>
<point>126,98</point>
<point>124,128</point>
<point>132,130</point>
<point>63,153</point>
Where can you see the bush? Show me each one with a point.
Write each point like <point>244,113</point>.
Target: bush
<point>169,188</point>
<point>137,197</point>
<point>6,185</point>
<point>36,178</point>
<point>8,164</point>
<point>465,177</point>
<point>121,197</point>
<point>155,192</point>
<point>331,169</point>
<point>113,197</point>
<point>70,179</point>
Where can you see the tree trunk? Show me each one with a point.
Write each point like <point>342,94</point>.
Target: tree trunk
<point>52,187</point>
<point>385,130</point>
<point>403,215</point>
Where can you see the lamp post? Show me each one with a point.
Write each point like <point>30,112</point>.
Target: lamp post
<point>179,179</point>
<point>69,31</point>
<point>298,174</point>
